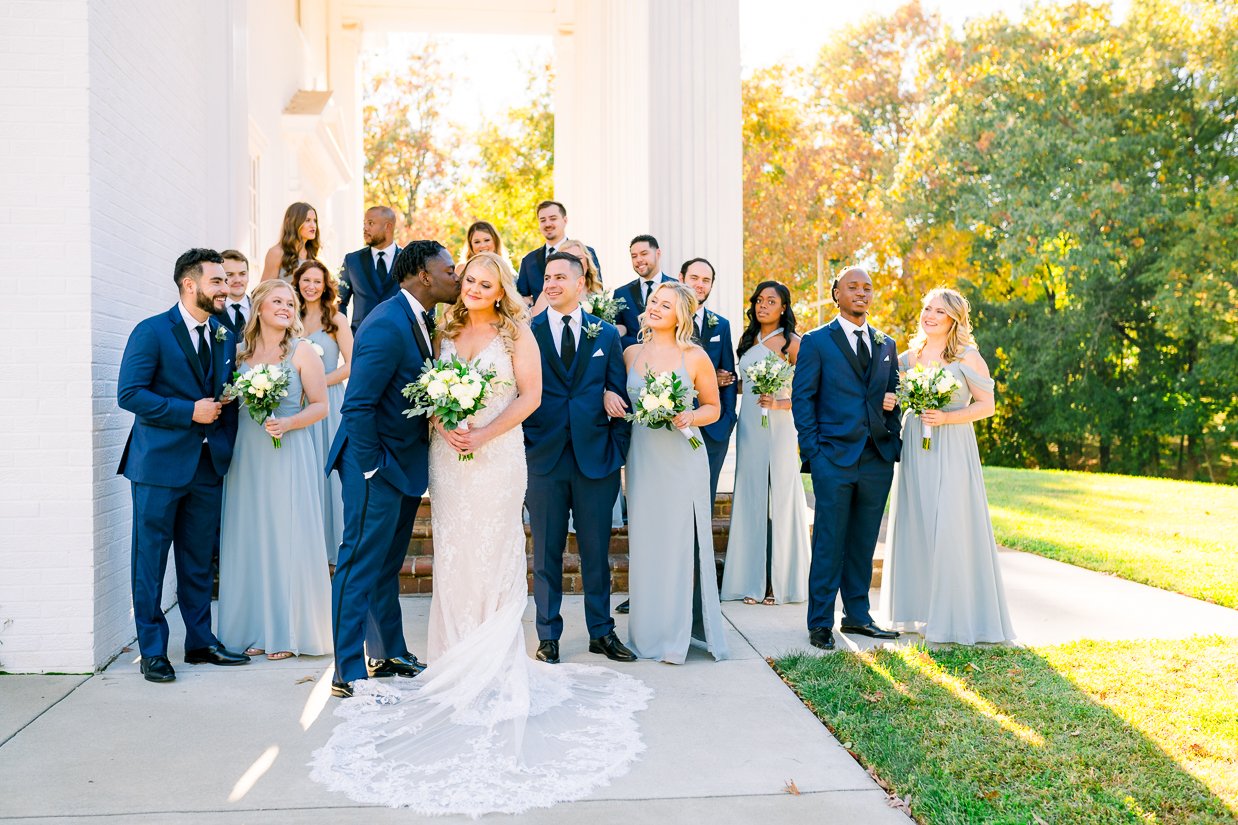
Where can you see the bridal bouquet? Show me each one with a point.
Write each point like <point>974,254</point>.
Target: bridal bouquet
<point>452,390</point>
<point>663,397</point>
<point>926,388</point>
<point>769,376</point>
<point>606,307</point>
<point>260,389</point>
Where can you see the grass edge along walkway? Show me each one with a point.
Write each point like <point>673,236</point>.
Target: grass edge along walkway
<point>1085,733</point>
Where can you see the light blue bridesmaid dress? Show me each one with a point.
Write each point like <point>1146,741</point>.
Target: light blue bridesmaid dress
<point>768,541</point>
<point>274,591</point>
<point>941,576</point>
<point>672,581</point>
<point>324,433</point>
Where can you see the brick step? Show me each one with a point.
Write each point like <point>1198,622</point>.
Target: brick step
<point>422,542</point>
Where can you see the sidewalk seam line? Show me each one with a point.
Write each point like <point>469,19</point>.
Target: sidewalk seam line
<point>13,735</point>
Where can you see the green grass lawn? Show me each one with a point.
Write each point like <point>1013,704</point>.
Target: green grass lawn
<point>1176,535</point>
<point>1091,732</point>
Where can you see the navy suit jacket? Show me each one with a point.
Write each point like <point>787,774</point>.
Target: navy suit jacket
<point>360,285</point>
<point>716,341</point>
<point>160,381</point>
<point>387,355</point>
<point>836,406</point>
<point>533,271</point>
<point>629,316</point>
<point>599,442</point>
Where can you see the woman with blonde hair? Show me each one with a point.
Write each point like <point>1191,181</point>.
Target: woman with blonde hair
<point>327,330</point>
<point>593,277</point>
<point>942,578</point>
<point>274,592</point>
<point>672,583</point>
<point>486,728</point>
<point>298,243</point>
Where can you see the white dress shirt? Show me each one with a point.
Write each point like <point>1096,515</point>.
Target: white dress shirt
<point>555,319</point>
<point>418,313</point>
<point>230,307</point>
<point>388,256</point>
<point>699,317</point>
<point>850,329</point>
<point>192,324</point>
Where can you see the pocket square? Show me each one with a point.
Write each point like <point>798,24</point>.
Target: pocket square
<point>715,338</point>
<point>887,358</point>
<point>597,354</point>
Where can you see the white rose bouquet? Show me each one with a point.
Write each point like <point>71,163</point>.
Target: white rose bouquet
<point>604,306</point>
<point>926,388</point>
<point>663,397</point>
<point>769,376</point>
<point>260,389</point>
<point>452,390</point>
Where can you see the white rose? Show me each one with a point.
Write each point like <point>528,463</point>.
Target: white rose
<point>463,393</point>
<point>664,401</point>
<point>259,393</point>
<point>649,402</point>
<point>260,382</point>
<point>945,385</point>
<point>437,389</point>
<point>276,373</point>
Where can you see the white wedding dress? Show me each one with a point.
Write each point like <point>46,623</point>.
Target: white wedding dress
<point>486,728</point>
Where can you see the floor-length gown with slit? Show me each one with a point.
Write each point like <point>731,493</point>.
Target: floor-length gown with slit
<point>486,728</point>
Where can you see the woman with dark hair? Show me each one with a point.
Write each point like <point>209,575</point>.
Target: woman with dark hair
<point>768,552</point>
<point>327,330</point>
<point>298,243</point>
<point>482,237</point>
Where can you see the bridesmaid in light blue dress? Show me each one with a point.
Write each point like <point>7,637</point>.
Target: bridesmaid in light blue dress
<point>672,582</point>
<point>942,576</point>
<point>328,330</point>
<point>274,590</point>
<point>768,552</point>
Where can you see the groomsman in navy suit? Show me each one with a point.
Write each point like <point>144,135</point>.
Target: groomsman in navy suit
<point>367,277</point>
<point>236,309</point>
<point>171,377</point>
<point>552,222</point>
<point>846,414</point>
<point>575,443</point>
<point>712,332</point>
<point>382,458</point>
<point>647,264</point>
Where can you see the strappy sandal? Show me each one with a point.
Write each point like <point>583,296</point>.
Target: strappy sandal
<point>750,600</point>
<point>255,651</point>
<point>283,654</point>
<point>769,600</point>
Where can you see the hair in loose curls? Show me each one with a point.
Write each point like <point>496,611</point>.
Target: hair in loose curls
<point>329,303</point>
<point>511,308</point>
<point>249,339</point>
<point>960,337</point>
<point>593,278</point>
<point>685,308</point>
<point>787,321</point>
<point>290,236</point>
<point>487,228</point>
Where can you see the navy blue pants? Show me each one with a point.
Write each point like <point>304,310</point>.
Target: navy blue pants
<point>550,498</point>
<point>365,592</point>
<point>849,505</point>
<point>717,456</point>
<point>187,520</point>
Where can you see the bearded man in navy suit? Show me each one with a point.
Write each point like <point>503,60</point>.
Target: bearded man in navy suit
<point>367,277</point>
<point>171,378</point>
<point>575,444</point>
<point>847,417</point>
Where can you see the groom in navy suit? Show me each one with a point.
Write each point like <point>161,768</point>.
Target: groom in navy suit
<point>846,414</point>
<point>171,378</point>
<point>382,458</point>
<point>575,443</point>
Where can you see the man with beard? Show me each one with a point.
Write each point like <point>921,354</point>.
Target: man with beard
<point>367,273</point>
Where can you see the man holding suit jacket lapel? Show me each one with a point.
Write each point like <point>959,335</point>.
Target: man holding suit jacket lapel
<point>171,378</point>
<point>382,457</point>
<point>712,332</point>
<point>846,414</point>
<point>368,275</point>
<point>647,264</point>
<point>575,443</point>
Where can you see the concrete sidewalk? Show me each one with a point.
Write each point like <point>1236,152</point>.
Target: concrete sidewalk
<point>230,745</point>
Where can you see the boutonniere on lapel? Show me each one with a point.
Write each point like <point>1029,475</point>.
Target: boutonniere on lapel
<point>221,334</point>
<point>345,285</point>
<point>711,320</point>
<point>593,330</point>
<point>879,337</point>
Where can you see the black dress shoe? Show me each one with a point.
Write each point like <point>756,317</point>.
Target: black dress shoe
<point>407,666</point>
<point>341,690</point>
<point>158,669</point>
<point>871,630</point>
<point>821,637</point>
<point>215,655</point>
<point>624,606</point>
<point>612,648</point>
<point>548,652</point>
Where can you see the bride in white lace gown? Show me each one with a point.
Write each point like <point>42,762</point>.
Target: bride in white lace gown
<point>486,728</point>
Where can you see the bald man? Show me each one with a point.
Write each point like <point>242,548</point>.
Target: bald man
<point>365,278</point>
